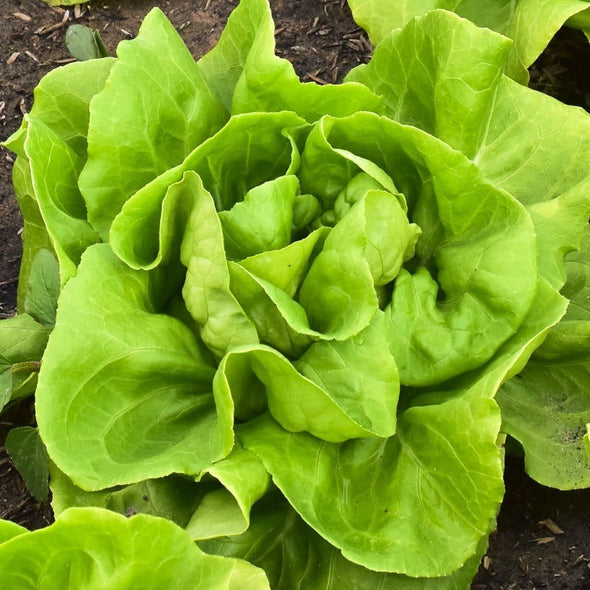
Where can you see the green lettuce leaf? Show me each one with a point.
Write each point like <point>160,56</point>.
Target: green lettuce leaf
<point>246,75</point>
<point>9,529</point>
<point>294,556</point>
<point>174,497</point>
<point>262,141</point>
<point>223,323</point>
<point>164,109</point>
<point>136,370</point>
<point>378,500</point>
<point>29,456</point>
<point>530,23</point>
<point>94,548</point>
<point>43,288</point>
<point>546,407</point>
<point>445,88</point>
<point>60,202</point>
<point>226,510</point>
<point>466,244</point>
<point>319,287</point>
<point>339,393</point>
<point>22,343</point>
<point>52,148</point>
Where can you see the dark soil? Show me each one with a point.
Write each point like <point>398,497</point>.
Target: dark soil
<point>323,43</point>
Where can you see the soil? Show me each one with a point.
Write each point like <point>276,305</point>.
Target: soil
<point>543,536</point>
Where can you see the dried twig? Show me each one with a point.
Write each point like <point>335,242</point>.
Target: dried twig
<point>9,282</point>
<point>22,16</point>
<point>314,26</point>
<point>32,56</point>
<point>12,58</point>
<point>551,526</point>
<point>50,28</point>
<point>316,78</point>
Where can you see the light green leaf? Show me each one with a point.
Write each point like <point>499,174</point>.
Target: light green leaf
<point>137,396</point>
<point>376,225</point>
<point>329,408</point>
<point>530,23</point>
<point>9,529</point>
<point>51,144</point>
<point>285,268</point>
<point>223,66</point>
<point>35,237</point>
<point>222,322</point>
<point>379,501</point>
<point>262,221</point>
<point>250,150</point>
<point>93,549</point>
<point>247,76</point>
<point>547,310</point>
<point>577,287</point>
<point>560,224</point>
<point>174,497</point>
<point>62,101</point>
<point>546,407</point>
<point>338,292</point>
<point>293,555</point>
<point>226,511</point>
<point>164,110</point>
<point>439,74</point>
<point>360,372</point>
<point>60,202</point>
<point>580,20</point>
<point>379,17</point>
<point>556,142</point>
<point>279,320</point>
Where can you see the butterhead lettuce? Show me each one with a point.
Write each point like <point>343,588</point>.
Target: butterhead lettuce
<point>286,309</point>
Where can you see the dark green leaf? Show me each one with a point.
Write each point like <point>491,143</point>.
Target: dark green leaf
<point>29,456</point>
<point>85,43</point>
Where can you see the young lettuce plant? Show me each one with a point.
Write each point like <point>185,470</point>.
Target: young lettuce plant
<point>285,308</point>
<point>531,24</point>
